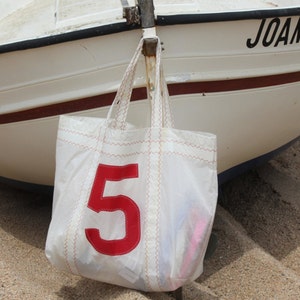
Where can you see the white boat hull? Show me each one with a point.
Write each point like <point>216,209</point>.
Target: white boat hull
<point>247,96</point>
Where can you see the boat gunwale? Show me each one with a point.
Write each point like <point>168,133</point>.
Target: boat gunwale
<point>161,20</point>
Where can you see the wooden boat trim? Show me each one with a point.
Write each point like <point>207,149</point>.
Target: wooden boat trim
<point>160,21</point>
<point>140,93</point>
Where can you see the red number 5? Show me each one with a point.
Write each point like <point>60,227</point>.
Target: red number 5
<point>98,202</point>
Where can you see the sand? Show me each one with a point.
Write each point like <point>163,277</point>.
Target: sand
<point>258,254</point>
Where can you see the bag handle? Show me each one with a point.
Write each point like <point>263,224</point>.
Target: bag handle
<point>167,112</point>
<point>160,107</point>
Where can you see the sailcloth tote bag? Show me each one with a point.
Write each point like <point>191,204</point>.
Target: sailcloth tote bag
<point>133,207</point>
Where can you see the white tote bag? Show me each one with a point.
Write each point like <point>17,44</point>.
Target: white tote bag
<point>133,207</point>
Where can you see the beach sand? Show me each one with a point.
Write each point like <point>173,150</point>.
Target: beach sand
<point>258,254</point>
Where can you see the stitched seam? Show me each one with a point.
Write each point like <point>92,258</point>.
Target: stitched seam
<point>87,198</point>
<point>140,152</point>
<point>79,133</point>
<point>154,141</point>
<point>146,219</point>
<point>158,212</point>
<point>142,141</point>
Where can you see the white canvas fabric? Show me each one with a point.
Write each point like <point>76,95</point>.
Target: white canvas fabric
<point>133,206</point>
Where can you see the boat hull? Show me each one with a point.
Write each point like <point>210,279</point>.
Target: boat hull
<point>239,79</point>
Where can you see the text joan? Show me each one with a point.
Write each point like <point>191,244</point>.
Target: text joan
<point>274,32</point>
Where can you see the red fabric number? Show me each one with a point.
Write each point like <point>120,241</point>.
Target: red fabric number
<point>98,202</point>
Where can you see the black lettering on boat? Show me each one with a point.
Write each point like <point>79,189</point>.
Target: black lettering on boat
<point>253,44</point>
<point>271,31</point>
<point>296,33</point>
<point>284,33</point>
<point>275,32</point>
